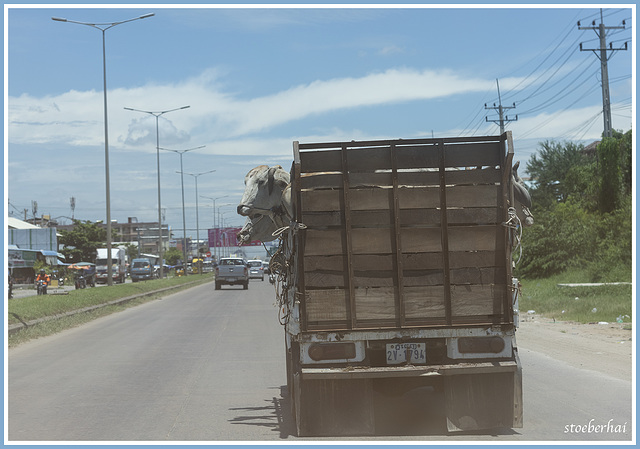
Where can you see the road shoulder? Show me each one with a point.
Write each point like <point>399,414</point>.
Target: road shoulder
<point>605,348</point>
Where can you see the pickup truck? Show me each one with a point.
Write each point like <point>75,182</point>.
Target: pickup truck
<point>232,271</point>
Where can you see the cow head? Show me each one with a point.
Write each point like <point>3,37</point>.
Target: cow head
<point>263,193</point>
<point>259,228</point>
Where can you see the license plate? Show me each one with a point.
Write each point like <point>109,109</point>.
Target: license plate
<point>401,352</point>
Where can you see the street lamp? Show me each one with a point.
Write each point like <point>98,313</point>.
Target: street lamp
<point>223,235</point>
<point>184,221</point>
<point>215,248</point>
<point>157,114</point>
<point>103,27</point>
<point>195,176</point>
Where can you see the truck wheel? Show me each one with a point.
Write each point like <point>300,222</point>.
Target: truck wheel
<point>218,286</point>
<point>245,286</point>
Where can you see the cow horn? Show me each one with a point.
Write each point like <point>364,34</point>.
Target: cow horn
<point>271,179</point>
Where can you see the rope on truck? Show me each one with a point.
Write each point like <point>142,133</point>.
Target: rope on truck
<point>514,223</point>
<point>283,268</point>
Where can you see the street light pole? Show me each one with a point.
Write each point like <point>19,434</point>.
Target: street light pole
<point>103,27</point>
<point>184,221</point>
<point>195,176</point>
<point>157,114</point>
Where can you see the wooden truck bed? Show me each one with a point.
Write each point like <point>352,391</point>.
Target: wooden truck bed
<point>403,233</point>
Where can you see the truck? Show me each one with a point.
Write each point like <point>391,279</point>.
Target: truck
<point>141,270</point>
<point>232,271</point>
<point>396,273</point>
<point>118,265</point>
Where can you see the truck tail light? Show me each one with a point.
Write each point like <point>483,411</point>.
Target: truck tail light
<point>483,345</point>
<point>332,351</point>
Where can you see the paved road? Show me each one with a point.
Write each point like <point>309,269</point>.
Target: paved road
<point>206,365</point>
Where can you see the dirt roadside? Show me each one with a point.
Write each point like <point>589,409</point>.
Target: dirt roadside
<point>606,348</point>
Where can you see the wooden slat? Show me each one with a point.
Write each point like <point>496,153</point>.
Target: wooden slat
<point>410,261</point>
<point>408,217</point>
<point>348,239</point>
<point>476,299</point>
<point>444,233</point>
<point>397,243</point>
<point>409,198</point>
<point>413,177</point>
<point>301,236</point>
<point>420,302</point>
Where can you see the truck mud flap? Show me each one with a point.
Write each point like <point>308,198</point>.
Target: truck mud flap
<point>333,407</point>
<point>483,401</point>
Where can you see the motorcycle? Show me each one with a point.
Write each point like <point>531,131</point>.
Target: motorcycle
<point>41,287</point>
<point>81,282</point>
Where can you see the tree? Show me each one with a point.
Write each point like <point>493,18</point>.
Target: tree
<point>610,175</point>
<point>582,208</point>
<point>81,242</point>
<point>549,169</point>
<point>172,256</point>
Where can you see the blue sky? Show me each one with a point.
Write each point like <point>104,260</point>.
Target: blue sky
<point>257,79</point>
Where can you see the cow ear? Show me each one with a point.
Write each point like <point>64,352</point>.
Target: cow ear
<point>271,179</point>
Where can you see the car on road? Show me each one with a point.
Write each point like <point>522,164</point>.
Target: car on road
<point>232,271</point>
<point>256,269</point>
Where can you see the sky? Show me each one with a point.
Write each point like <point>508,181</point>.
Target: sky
<point>258,78</point>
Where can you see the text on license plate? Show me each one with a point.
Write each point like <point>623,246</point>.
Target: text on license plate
<point>399,352</point>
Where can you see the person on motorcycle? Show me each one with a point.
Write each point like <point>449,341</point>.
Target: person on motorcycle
<point>45,278</point>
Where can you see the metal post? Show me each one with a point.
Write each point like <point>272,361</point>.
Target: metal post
<point>197,215</point>
<point>157,114</point>
<point>184,222</point>
<point>103,27</point>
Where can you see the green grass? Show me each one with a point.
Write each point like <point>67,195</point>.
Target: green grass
<point>34,307</point>
<point>576,303</point>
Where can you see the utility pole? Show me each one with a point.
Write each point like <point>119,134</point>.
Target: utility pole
<point>502,118</point>
<point>601,53</point>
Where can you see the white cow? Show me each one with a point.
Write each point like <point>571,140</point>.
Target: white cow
<point>267,192</point>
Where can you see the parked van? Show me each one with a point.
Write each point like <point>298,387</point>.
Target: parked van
<point>141,269</point>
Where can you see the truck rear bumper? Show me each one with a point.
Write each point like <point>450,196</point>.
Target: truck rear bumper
<point>408,371</point>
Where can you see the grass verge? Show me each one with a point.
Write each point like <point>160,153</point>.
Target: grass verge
<point>609,303</point>
<point>36,307</point>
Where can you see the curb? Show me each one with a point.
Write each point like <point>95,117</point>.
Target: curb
<point>22,325</point>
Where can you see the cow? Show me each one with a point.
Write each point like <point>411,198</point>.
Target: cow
<point>267,192</point>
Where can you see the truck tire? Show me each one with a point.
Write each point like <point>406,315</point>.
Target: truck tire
<point>245,286</point>
<point>218,286</point>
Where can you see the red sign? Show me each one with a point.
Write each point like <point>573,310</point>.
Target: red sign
<point>208,254</point>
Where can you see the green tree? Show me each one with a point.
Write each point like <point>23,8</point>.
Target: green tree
<point>172,256</point>
<point>549,170</point>
<point>81,242</point>
<point>582,206</point>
